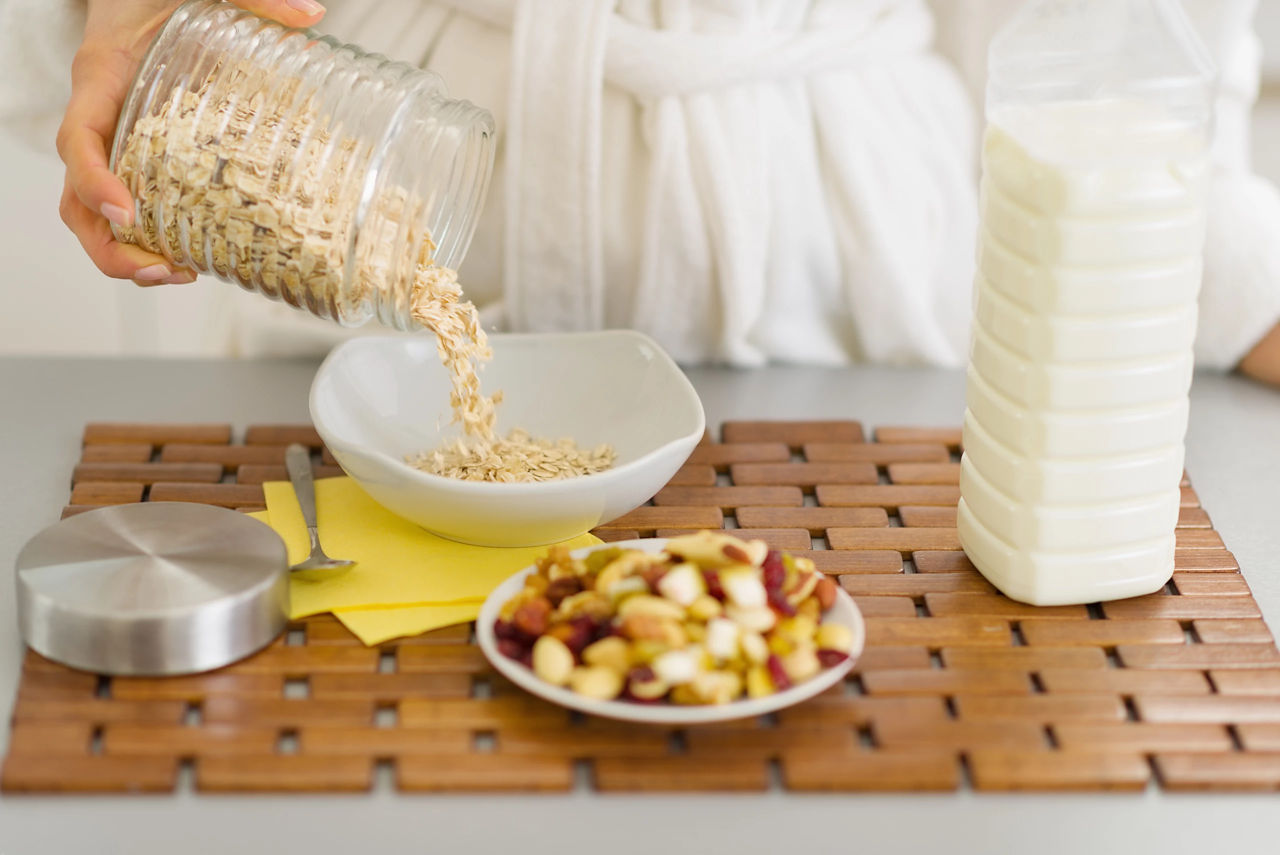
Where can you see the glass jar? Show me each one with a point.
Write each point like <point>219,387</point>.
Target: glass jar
<point>298,167</point>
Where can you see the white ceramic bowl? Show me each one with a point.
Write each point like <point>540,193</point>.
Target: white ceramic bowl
<point>376,400</point>
<point>843,611</point>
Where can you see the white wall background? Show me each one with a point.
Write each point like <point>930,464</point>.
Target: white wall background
<point>56,302</point>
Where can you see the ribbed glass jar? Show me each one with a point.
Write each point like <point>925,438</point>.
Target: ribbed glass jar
<point>304,169</point>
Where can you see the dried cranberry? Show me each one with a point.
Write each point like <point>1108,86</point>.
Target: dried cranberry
<point>566,586</point>
<point>504,629</point>
<point>513,649</point>
<point>831,658</point>
<point>641,674</point>
<point>777,673</point>
<point>714,588</point>
<point>775,572</point>
<point>778,601</point>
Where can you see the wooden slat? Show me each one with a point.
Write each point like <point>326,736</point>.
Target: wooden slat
<point>483,773</point>
<point>1042,708</point>
<point>441,659</point>
<point>380,743</point>
<point>106,493</point>
<point>904,540</point>
<point>1193,518</point>
<point>222,495</point>
<point>305,661</point>
<point>949,681</point>
<point>1232,631</point>
<point>694,475</point>
<point>1262,681</point>
<point>1259,737</point>
<point>1182,608</point>
<point>728,498</point>
<point>1241,771</point>
<point>581,743</point>
<point>882,771</point>
<point>902,607</point>
<point>1210,708</point>
<point>794,540</point>
<point>390,687</point>
<point>815,520</point>
<point>839,563</point>
<point>148,473</point>
<point>197,687</point>
<point>99,710</point>
<point>1205,561</point>
<point>155,434</point>
<point>648,519</point>
<point>942,561</point>
<point>1199,656</point>
<point>185,742</point>
<point>1024,658</point>
<point>1211,585</point>
<point>998,770</point>
<point>227,456</point>
<point>1123,681</point>
<point>283,773</point>
<point>862,711</point>
<point>793,433</point>
<point>712,744</point>
<point>880,454</point>
<point>886,657</point>
<point>803,474</point>
<point>1199,538</point>
<point>33,773</point>
<point>922,517</point>
<point>958,735</point>
<point>125,452</point>
<point>721,456</point>
<point>1189,498</point>
<point>480,713</point>
<point>283,435</point>
<point>888,496</point>
<point>939,631</point>
<point>287,712</point>
<point>924,473</point>
<point>257,473</point>
<point>996,606</point>
<point>1144,737</point>
<point>1103,633</point>
<point>914,585</point>
<point>50,739</point>
<point>948,437</point>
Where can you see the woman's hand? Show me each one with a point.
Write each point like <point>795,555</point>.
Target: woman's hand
<point>1263,362</point>
<point>116,35</point>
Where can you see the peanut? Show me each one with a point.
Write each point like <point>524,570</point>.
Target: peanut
<point>612,652</point>
<point>650,606</point>
<point>552,660</point>
<point>596,681</point>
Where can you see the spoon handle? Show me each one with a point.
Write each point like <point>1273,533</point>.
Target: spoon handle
<point>297,459</point>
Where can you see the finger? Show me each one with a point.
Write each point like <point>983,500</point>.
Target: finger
<point>115,259</point>
<point>291,13</point>
<point>99,81</point>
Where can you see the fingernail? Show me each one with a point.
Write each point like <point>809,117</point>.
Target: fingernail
<point>183,277</point>
<point>118,216</point>
<point>154,273</point>
<point>307,7</point>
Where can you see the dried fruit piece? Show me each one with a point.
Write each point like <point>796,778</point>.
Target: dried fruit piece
<point>743,587</point>
<point>552,660</point>
<point>717,687</point>
<point>801,663</point>
<point>705,608</point>
<point>682,584</point>
<point>565,586</point>
<point>825,591</point>
<point>758,619</point>
<point>586,604</point>
<point>532,616</point>
<point>596,681</point>
<point>834,636</point>
<point>612,652</point>
<point>754,648</point>
<point>759,684</point>
<point>722,638</point>
<point>676,667</point>
<point>644,684</point>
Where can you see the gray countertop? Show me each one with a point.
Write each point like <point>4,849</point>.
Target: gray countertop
<point>1233,457</point>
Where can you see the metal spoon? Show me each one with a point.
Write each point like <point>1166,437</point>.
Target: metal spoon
<point>297,459</point>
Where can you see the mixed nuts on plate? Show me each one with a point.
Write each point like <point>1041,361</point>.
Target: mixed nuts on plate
<point>703,622</point>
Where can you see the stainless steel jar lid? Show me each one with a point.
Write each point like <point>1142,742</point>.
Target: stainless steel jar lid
<point>156,588</point>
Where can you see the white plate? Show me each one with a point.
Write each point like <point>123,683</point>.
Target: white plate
<point>377,399</point>
<point>843,611</point>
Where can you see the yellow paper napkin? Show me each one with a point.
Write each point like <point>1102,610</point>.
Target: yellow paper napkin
<point>406,581</point>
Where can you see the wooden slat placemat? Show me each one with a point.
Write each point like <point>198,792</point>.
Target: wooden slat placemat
<point>958,686</point>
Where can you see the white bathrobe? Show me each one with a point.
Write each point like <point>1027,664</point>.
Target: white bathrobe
<point>744,180</point>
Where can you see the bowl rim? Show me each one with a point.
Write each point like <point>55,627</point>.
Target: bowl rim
<point>495,488</point>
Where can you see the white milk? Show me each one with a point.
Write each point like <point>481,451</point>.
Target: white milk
<point>1084,317</point>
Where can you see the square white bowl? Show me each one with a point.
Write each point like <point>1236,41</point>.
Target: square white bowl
<point>376,400</point>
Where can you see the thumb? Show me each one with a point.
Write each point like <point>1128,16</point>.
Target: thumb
<point>291,13</point>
